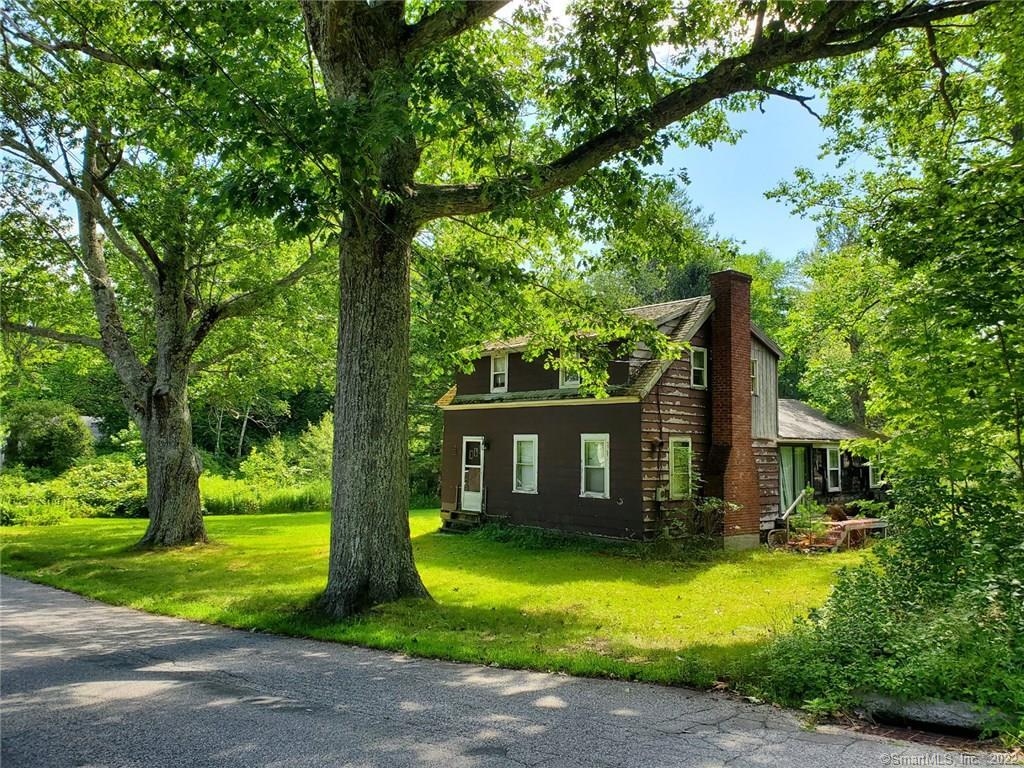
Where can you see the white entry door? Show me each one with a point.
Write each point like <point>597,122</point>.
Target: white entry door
<point>472,473</point>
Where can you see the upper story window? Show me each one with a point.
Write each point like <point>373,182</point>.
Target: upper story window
<point>698,367</point>
<point>568,378</point>
<point>524,470</point>
<point>753,376</point>
<point>834,473</point>
<point>680,468</point>
<point>594,466</point>
<point>499,372</point>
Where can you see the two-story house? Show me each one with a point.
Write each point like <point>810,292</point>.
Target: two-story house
<point>522,444</point>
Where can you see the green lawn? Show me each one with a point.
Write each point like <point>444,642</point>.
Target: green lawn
<point>585,610</point>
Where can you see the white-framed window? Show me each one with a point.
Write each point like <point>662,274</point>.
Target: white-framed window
<point>594,476</point>
<point>499,372</point>
<point>524,464</point>
<point>568,378</point>
<point>753,376</point>
<point>874,475</point>
<point>698,367</point>
<point>680,468</point>
<point>832,467</point>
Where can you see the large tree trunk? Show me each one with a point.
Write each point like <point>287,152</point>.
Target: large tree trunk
<point>359,47</point>
<point>371,557</point>
<point>172,472</point>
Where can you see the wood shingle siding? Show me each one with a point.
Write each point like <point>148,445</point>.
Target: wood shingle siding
<point>672,407</point>
<point>766,455</point>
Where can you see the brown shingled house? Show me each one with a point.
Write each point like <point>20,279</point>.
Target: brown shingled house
<point>521,444</point>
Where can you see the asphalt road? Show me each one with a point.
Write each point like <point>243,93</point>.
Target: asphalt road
<point>85,684</point>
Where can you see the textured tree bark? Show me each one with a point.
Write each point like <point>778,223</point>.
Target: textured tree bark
<point>371,557</point>
<point>359,48</point>
<point>173,469</point>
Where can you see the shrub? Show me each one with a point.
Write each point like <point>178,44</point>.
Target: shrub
<point>314,450</point>
<point>701,523</point>
<point>939,614</point>
<point>128,443</point>
<point>268,465</point>
<point>107,486</point>
<point>26,503</point>
<point>808,519</point>
<point>47,433</point>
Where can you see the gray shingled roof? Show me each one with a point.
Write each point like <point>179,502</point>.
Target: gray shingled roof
<point>656,313</point>
<point>688,314</point>
<point>799,421</point>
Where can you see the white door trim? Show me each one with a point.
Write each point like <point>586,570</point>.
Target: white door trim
<point>472,502</point>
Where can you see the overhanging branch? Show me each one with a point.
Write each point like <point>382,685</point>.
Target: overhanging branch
<point>49,333</point>
<point>247,303</point>
<point>798,98</point>
<point>139,62</point>
<point>732,75</point>
<point>448,22</point>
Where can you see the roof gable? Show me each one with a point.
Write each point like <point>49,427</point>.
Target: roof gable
<point>679,320</point>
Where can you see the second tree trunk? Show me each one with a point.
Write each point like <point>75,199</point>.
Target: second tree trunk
<point>172,473</point>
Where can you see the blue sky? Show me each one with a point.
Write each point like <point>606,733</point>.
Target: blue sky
<point>729,181</point>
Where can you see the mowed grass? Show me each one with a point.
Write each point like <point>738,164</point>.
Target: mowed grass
<point>578,608</point>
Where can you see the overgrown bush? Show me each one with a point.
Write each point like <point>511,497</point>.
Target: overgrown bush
<point>268,465</point>
<point>32,503</point>
<point>938,614</point>
<point>314,450</point>
<point>46,433</point>
<point>107,486</point>
<point>128,442</point>
<point>424,480</point>
<point>698,526</point>
<point>808,519</point>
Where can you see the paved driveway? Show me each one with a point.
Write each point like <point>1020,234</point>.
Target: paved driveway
<point>85,684</point>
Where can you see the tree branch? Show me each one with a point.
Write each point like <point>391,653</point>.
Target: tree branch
<point>32,155</point>
<point>448,22</point>
<point>142,240</point>
<point>245,303</point>
<point>798,98</point>
<point>730,76</point>
<point>933,53</point>
<point>149,62</point>
<point>48,333</point>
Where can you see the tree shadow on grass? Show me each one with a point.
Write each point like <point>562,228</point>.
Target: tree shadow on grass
<point>534,565</point>
<point>554,640</point>
<point>498,602</point>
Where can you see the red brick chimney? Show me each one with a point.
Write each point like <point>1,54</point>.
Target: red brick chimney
<point>732,472</point>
